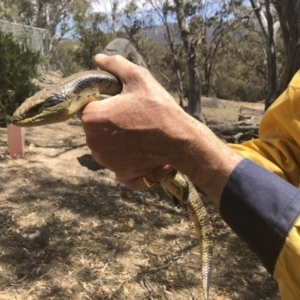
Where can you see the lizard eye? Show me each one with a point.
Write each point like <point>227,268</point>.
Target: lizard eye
<point>49,102</point>
<point>53,100</point>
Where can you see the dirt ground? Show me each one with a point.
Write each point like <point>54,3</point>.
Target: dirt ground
<point>70,231</point>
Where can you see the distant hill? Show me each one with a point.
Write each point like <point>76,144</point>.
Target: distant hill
<point>157,33</point>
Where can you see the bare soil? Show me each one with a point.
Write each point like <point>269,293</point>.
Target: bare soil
<point>70,231</point>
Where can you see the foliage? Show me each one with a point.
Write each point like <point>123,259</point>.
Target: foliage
<point>230,44</point>
<point>8,11</point>
<point>230,52</point>
<point>54,16</point>
<point>89,38</point>
<point>18,66</point>
<point>51,15</point>
<point>239,69</point>
<point>92,39</point>
<point>64,57</point>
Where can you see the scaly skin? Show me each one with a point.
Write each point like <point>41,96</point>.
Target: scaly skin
<point>181,190</point>
<point>64,99</point>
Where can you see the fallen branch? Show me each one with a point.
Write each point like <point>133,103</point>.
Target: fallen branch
<point>236,132</point>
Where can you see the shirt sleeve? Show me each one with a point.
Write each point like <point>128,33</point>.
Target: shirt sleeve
<point>261,208</point>
<point>287,268</point>
<point>277,148</point>
<point>267,207</point>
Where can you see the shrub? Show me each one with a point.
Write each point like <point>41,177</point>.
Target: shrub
<point>18,66</point>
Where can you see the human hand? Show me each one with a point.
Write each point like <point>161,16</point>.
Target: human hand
<point>142,132</point>
<point>135,133</point>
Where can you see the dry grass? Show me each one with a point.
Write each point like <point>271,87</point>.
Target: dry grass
<point>100,240</point>
<point>217,111</point>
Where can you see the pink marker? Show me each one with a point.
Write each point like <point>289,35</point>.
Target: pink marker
<point>16,140</point>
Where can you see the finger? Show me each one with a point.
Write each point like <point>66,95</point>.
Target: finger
<point>152,175</point>
<point>158,173</point>
<point>111,63</point>
<point>94,111</point>
<point>130,175</point>
<point>99,56</point>
<point>97,159</point>
<point>97,114</point>
<point>137,183</point>
<point>117,65</point>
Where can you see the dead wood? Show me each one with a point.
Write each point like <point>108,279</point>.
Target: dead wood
<point>236,132</point>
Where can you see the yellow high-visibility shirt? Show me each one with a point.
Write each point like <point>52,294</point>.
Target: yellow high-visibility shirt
<point>278,150</point>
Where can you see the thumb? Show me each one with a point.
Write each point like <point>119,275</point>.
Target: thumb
<point>117,65</point>
<point>99,56</point>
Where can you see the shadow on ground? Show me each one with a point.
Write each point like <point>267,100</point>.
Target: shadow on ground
<point>84,238</point>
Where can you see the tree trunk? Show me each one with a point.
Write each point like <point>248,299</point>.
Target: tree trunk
<point>175,58</point>
<point>194,97</point>
<point>267,26</point>
<point>289,17</point>
<point>272,60</point>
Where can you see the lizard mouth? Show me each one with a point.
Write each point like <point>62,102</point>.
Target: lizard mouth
<point>41,115</point>
<point>52,110</point>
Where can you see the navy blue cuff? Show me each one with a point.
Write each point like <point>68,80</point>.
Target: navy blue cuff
<point>261,208</point>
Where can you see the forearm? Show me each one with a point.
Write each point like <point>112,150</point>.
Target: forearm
<point>203,157</point>
<point>141,131</point>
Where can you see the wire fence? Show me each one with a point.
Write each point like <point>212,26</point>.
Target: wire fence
<point>31,37</point>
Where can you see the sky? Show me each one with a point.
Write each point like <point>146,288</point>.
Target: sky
<point>106,5</point>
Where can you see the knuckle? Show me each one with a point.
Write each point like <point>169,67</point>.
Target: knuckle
<point>139,73</point>
<point>153,177</point>
<point>112,60</point>
<point>115,58</point>
<point>159,173</point>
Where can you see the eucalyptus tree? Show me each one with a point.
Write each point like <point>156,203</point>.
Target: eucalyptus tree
<point>189,44</point>
<point>53,15</point>
<point>289,17</point>
<point>90,32</point>
<point>279,16</point>
<point>269,28</point>
<point>182,43</point>
<point>163,10</point>
<point>8,11</point>
<point>114,12</point>
<point>203,28</point>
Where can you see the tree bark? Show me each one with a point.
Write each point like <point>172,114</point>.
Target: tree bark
<point>289,17</point>
<point>272,60</point>
<point>175,57</point>
<point>194,97</point>
<point>267,25</point>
